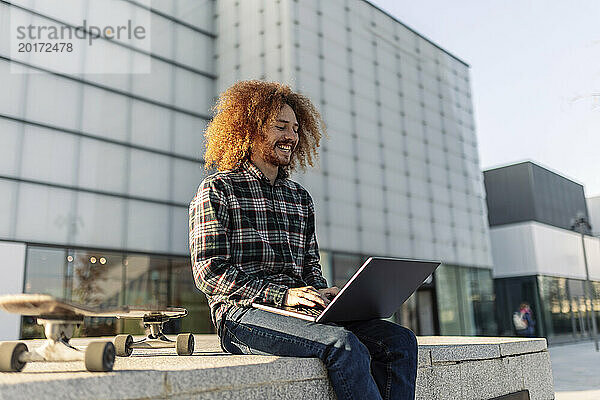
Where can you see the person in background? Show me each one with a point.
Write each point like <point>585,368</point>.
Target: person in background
<point>523,321</point>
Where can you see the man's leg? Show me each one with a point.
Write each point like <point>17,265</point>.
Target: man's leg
<point>393,350</point>
<point>253,331</point>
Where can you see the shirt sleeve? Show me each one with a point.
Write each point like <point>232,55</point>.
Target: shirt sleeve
<point>214,273</point>
<point>311,272</point>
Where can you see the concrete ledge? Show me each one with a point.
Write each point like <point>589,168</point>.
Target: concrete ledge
<point>449,368</point>
<point>462,348</point>
<point>484,368</point>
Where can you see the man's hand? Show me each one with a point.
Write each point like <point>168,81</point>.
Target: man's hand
<point>305,296</point>
<point>309,296</point>
<point>329,293</point>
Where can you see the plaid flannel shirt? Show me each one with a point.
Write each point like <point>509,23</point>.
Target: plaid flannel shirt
<point>250,241</point>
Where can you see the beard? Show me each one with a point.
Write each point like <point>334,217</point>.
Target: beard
<point>274,156</point>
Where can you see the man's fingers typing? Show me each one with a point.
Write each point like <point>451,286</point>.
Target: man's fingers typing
<point>313,299</point>
<point>306,296</point>
<point>307,302</point>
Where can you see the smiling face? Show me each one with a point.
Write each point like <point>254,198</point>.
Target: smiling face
<point>274,149</point>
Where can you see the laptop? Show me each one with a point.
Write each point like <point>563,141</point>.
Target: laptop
<point>376,290</point>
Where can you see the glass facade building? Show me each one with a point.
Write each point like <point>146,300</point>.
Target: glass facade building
<point>97,170</point>
<point>560,306</point>
<point>538,258</point>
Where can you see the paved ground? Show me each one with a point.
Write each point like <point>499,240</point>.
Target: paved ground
<point>576,371</point>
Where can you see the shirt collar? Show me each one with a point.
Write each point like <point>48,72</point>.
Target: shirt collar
<point>249,166</point>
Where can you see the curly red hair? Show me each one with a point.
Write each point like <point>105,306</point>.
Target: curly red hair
<point>246,110</point>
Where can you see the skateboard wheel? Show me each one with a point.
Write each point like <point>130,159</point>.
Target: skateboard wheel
<point>123,345</point>
<point>185,344</point>
<point>100,357</point>
<point>9,356</point>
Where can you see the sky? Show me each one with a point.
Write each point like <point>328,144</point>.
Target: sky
<point>535,76</point>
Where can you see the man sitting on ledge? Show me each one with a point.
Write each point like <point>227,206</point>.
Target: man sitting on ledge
<point>252,239</point>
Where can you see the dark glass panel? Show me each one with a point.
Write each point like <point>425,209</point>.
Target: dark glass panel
<point>185,294</point>
<point>344,266</point>
<point>45,271</point>
<point>557,308</point>
<point>510,293</point>
<point>447,288</point>
<point>483,301</point>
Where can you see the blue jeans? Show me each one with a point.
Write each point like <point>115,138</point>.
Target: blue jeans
<point>373,359</point>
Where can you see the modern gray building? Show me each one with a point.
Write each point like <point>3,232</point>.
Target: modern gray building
<point>538,257</point>
<point>593,206</point>
<point>99,168</point>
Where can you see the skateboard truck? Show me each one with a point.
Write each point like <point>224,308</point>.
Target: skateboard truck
<point>98,356</point>
<point>155,338</point>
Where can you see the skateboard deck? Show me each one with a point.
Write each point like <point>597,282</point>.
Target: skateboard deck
<point>49,307</point>
<point>60,318</point>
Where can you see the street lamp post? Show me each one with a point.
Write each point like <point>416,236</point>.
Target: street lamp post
<point>580,224</point>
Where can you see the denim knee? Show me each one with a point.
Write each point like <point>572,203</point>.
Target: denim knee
<point>403,342</point>
<point>346,345</point>
<point>410,341</point>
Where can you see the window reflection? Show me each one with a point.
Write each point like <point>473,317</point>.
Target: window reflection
<point>94,278</point>
<point>466,301</point>
<point>407,315</point>
<point>510,293</point>
<point>483,301</point>
<point>46,268</point>
<point>561,317</point>
<point>559,305</point>
<point>147,280</point>
<point>185,294</point>
<point>344,266</point>
<point>448,302</point>
<point>596,296</point>
<point>110,279</point>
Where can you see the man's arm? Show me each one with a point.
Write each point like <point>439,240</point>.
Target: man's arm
<point>311,272</point>
<point>214,273</point>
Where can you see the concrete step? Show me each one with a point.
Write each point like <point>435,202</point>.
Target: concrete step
<point>449,368</point>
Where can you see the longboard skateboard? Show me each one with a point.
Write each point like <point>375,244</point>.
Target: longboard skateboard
<point>153,323</point>
<point>60,319</point>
